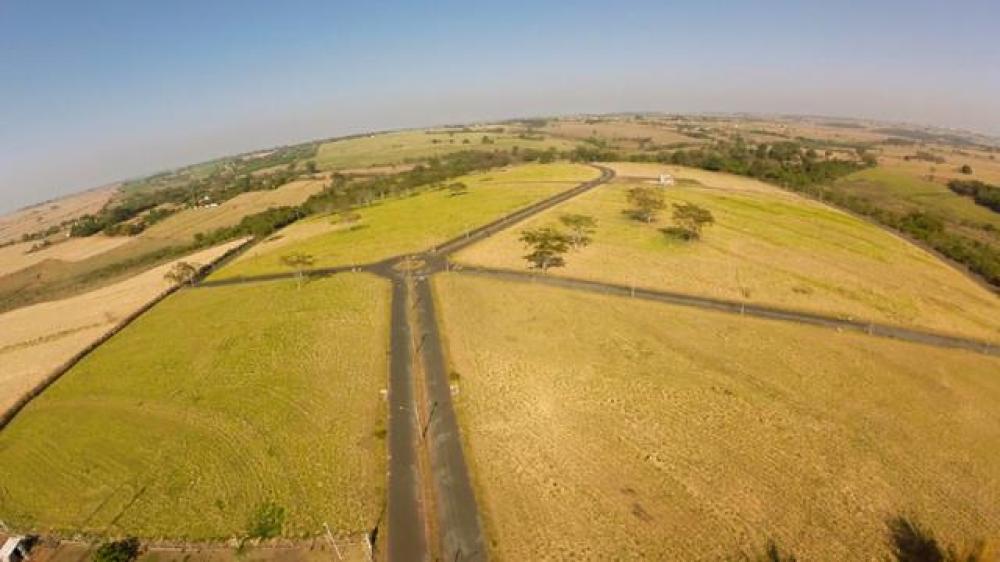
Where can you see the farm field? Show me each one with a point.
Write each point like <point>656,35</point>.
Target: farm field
<point>604,428</point>
<point>18,256</point>
<point>211,407</point>
<point>409,224</point>
<point>403,146</point>
<point>904,191</point>
<point>53,213</point>
<point>181,227</point>
<point>35,340</point>
<point>768,246</point>
<point>618,130</point>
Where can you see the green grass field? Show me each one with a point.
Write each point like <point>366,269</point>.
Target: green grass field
<point>901,191</point>
<point>410,224</point>
<point>205,408</point>
<point>606,428</point>
<point>767,246</point>
<point>405,146</point>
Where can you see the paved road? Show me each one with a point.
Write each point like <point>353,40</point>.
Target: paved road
<point>456,511</point>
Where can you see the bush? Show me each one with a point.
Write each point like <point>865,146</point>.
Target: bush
<point>124,550</point>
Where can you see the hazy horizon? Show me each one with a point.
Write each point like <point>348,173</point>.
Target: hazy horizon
<point>97,94</point>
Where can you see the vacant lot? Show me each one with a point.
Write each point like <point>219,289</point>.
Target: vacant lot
<point>767,246</point>
<point>37,339</point>
<point>410,224</point>
<point>182,226</point>
<point>406,146</point>
<point>602,428</point>
<point>53,213</point>
<point>211,406</point>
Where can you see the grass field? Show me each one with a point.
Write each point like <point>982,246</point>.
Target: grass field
<point>181,227</point>
<point>904,191</point>
<point>768,246</point>
<point>211,405</point>
<point>411,224</point>
<point>404,146</point>
<point>36,339</point>
<point>602,428</point>
<point>618,130</point>
<point>18,256</point>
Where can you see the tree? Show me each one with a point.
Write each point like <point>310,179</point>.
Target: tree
<point>646,202</point>
<point>457,188</point>
<point>299,262</point>
<point>547,246</point>
<point>965,169</point>
<point>181,273</point>
<point>311,167</point>
<point>690,219</point>
<point>124,550</point>
<point>580,228</point>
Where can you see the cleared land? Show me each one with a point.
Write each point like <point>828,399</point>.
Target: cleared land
<point>53,213</point>
<point>768,246</point>
<point>212,404</point>
<point>19,256</point>
<point>37,339</point>
<point>404,146</point>
<point>400,226</point>
<point>182,226</point>
<point>604,428</point>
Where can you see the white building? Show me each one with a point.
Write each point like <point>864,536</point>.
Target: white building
<point>666,179</point>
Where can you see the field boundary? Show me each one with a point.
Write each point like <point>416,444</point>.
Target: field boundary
<point>10,413</point>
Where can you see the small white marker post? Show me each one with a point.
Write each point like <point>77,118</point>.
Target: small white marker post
<point>329,537</point>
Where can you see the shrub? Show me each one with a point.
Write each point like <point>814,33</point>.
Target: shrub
<point>124,550</point>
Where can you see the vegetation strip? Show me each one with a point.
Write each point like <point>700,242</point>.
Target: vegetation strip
<point>735,307</point>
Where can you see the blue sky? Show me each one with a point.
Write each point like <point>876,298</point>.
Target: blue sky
<point>92,92</point>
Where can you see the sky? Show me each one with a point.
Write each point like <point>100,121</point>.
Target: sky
<point>98,91</point>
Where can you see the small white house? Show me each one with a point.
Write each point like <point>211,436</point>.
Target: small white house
<point>666,179</point>
<point>14,550</point>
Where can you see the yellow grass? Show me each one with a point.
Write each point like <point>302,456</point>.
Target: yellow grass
<point>618,130</point>
<point>769,247</point>
<point>36,339</point>
<point>17,256</point>
<point>182,227</point>
<point>52,213</point>
<point>604,428</point>
<point>404,146</point>
<point>409,224</point>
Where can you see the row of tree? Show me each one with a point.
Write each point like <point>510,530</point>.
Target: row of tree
<point>982,193</point>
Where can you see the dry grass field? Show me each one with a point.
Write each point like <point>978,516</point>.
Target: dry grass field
<point>403,146</point>
<point>984,168</point>
<point>627,130</point>
<point>768,246</point>
<point>52,213</point>
<point>213,405</point>
<point>602,428</point>
<point>35,340</point>
<point>182,227</point>
<point>409,224</point>
<point>18,256</point>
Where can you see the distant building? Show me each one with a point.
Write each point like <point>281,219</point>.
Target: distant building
<point>666,179</point>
